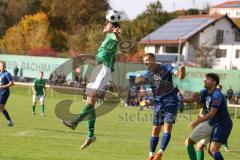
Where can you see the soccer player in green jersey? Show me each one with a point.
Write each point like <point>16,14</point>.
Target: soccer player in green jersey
<point>39,92</point>
<point>99,79</point>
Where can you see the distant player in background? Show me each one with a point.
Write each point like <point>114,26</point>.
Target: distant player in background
<point>39,93</point>
<point>5,82</point>
<point>100,77</point>
<point>159,77</point>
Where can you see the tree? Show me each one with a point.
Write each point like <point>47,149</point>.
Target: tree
<point>205,55</point>
<point>11,11</point>
<point>31,32</point>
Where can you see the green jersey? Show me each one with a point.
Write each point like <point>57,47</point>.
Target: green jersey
<point>39,85</point>
<point>107,51</point>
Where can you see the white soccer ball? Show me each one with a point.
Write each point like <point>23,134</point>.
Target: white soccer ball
<point>113,16</point>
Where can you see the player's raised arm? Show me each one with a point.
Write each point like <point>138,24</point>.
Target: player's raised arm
<point>180,73</point>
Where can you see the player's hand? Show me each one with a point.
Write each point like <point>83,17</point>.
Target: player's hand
<point>182,68</point>
<point>77,54</point>
<point>193,124</point>
<point>200,116</point>
<point>1,87</point>
<point>117,30</point>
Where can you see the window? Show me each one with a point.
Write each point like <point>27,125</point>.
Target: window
<point>221,53</point>
<point>219,37</point>
<point>237,55</point>
<point>171,49</point>
<point>237,36</point>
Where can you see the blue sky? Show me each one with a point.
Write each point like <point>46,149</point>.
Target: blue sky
<point>135,7</point>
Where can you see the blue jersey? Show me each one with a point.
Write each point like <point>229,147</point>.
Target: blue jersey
<point>163,73</point>
<point>216,100</point>
<point>5,78</point>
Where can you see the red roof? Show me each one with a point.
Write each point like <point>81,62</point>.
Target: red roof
<point>216,16</point>
<point>228,4</point>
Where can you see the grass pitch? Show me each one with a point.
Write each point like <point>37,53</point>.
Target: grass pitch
<point>121,134</point>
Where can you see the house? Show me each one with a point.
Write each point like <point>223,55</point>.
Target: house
<point>215,37</point>
<point>230,8</point>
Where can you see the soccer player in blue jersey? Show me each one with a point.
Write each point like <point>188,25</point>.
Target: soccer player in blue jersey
<point>218,116</point>
<point>159,76</point>
<point>5,82</point>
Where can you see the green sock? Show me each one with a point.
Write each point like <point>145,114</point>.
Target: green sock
<point>33,108</point>
<point>42,108</point>
<point>84,113</point>
<point>191,152</point>
<point>91,122</point>
<point>200,155</point>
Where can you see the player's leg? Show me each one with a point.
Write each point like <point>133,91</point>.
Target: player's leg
<point>154,140</point>
<point>100,84</point>
<point>34,98</point>
<point>168,119</point>
<point>157,125</point>
<point>3,101</point>
<point>200,148</point>
<point>41,99</point>
<point>202,131</point>
<point>214,149</point>
<point>219,136</point>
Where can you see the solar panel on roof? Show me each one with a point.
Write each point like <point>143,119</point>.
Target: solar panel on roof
<point>181,28</point>
<point>232,5</point>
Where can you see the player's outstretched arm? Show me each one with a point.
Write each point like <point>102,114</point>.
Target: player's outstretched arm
<point>181,73</point>
<point>194,99</point>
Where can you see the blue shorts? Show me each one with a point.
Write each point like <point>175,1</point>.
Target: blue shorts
<point>4,98</point>
<point>221,133</point>
<point>164,114</point>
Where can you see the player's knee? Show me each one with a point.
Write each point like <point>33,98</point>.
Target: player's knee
<point>156,130</point>
<point>213,149</point>
<point>200,146</point>
<point>168,127</point>
<point>189,141</point>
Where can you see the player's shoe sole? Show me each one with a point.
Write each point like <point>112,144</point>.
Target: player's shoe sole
<point>70,124</point>
<point>88,141</point>
<point>158,156</point>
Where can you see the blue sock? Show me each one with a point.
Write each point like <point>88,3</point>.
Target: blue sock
<point>217,156</point>
<point>5,113</point>
<point>153,143</point>
<point>165,140</point>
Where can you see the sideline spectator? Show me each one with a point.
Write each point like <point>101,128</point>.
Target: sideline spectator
<point>230,94</point>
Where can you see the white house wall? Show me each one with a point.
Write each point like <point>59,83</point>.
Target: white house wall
<point>150,49</point>
<point>229,61</point>
<point>231,12</point>
<point>208,36</point>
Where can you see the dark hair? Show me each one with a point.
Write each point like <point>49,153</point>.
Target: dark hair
<point>214,76</point>
<point>115,24</point>
<point>151,55</point>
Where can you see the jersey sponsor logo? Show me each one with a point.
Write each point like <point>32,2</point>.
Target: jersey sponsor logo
<point>208,101</point>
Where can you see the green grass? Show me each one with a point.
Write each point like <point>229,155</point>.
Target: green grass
<point>121,134</point>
